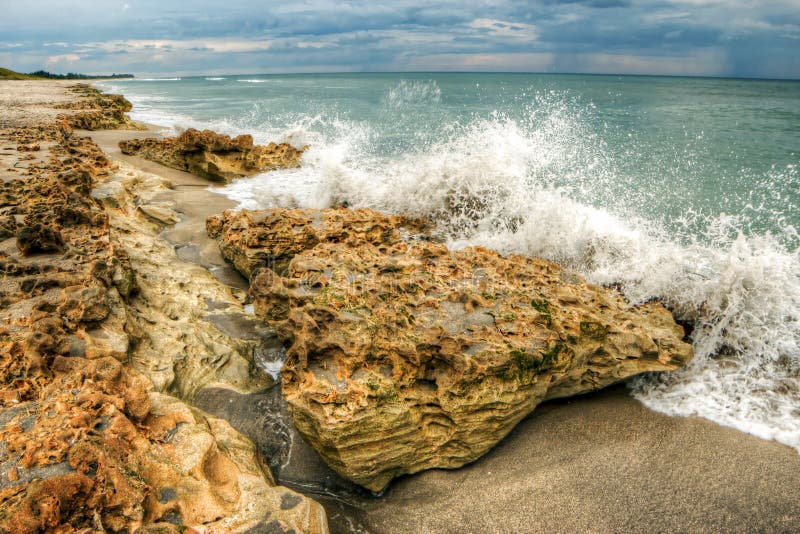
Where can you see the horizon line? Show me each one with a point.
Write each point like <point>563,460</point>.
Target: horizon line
<point>328,73</point>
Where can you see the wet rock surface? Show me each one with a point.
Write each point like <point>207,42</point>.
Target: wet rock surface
<point>87,443</point>
<point>191,330</point>
<point>214,156</point>
<point>403,355</point>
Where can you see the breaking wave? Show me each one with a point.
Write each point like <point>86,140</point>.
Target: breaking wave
<point>537,187</point>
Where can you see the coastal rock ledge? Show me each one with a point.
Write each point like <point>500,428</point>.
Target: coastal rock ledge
<point>403,355</point>
<point>214,156</point>
<point>90,438</point>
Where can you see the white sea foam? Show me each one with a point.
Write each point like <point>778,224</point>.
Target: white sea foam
<point>412,92</point>
<point>254,80</point>
<point>215,79</point>
<point>156,109</point>
<point>521,187</point>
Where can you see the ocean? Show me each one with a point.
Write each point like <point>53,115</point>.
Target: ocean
<point>685,190</point>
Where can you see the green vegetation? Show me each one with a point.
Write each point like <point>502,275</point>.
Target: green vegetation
<point>527,364</point>
<point>6,74</point>
<point>382,395</point>
<point>550,356</point>
<point>593,330</point>
<point>525,361</point>
<point>386,397</point>
<point>543,307</point>
<point>132,475</point>
<point>74,76</point>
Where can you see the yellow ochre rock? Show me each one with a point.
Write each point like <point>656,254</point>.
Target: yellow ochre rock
<point>87,444</point>
<point>96,110</point>
<point>214,156</point>
<point>403,355</point>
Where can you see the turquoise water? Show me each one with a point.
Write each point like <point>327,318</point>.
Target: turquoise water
<point>681,189</point>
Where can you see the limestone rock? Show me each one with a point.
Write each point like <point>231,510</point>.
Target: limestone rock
<point>81,304</point>
<point>8,226</point>
<point>104,342</point>
<point>95,99</point>
<point>160,213</point>
<point>98,111</point>
<point>214,156</point>
<point>208,349</point>
<point>109,453</point>
<point>252,239</point>
<point>101,120</point>
<point>39,238</point>
<point>403,355</point>
<point>111,194</point>
<point>85,442</point>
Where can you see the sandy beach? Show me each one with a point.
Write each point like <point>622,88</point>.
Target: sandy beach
<point>600,462</point>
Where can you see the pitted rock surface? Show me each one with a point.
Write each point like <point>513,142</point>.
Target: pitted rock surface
<point>214,156</point>
<point>403,355</point>
<point>86,443</point>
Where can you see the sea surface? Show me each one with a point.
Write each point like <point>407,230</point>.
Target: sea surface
<point>685,190</point>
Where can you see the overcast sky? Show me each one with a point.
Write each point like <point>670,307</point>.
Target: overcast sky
<point>156,37</point>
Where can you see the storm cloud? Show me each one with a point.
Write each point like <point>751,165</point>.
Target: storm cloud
<point>150,37</point>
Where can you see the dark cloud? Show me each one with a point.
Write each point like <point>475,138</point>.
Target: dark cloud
<point>593,3</point>
<point>712,37</point>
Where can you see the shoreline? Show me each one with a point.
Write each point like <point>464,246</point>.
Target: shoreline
<point>597,462</point>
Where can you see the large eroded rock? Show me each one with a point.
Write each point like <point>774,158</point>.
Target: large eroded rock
<point>403,355</point>
<point>214,156</point>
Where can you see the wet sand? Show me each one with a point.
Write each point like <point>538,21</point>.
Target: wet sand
<point>599,463</point>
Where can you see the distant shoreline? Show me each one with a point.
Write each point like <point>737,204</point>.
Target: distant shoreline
<point>7,74</point>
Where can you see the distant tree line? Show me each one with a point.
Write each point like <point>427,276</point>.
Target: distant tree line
<point>74,76</point>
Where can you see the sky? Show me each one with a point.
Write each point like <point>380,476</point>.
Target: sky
<point>737,38</point>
